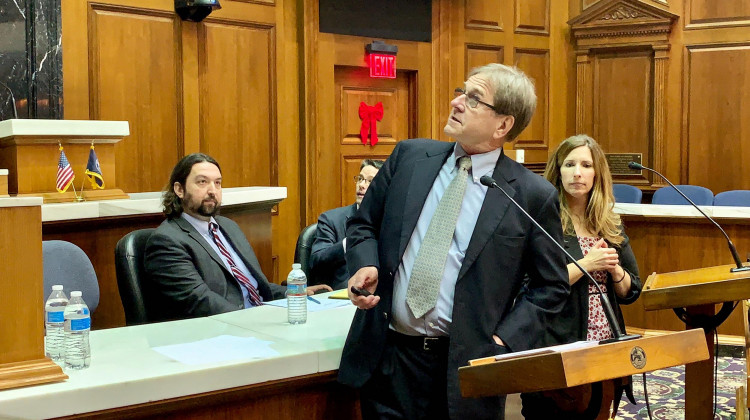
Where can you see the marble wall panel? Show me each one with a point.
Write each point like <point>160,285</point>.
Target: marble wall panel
<point>30,59</point>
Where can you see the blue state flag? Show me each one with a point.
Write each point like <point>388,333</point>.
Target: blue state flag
<point>93,171</point>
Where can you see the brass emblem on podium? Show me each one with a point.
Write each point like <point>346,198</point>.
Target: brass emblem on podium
<point>638,357</point>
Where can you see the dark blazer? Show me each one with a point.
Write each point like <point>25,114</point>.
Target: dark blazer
<point>191,278</point>
<point>503,247</point>
<point>327,263</point>
<point>571,324</point>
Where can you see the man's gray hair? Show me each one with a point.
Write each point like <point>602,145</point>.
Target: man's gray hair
<point>514,94</point>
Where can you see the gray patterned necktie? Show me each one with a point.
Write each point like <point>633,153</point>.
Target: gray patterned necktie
<point>424,283</point>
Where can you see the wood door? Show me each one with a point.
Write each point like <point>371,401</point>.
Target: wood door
<point>340,85</point>
<point>354,87</point>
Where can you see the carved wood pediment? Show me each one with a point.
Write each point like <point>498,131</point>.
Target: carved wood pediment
<point>622,20</point>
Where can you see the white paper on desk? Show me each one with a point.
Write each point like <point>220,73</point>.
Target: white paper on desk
<point>218,349</point>
<point>324,304</point>
<point>547,350</point>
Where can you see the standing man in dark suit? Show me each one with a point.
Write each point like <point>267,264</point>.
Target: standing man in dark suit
<point>444,259</point>
<point>327,263</point>
<point>201,263</point>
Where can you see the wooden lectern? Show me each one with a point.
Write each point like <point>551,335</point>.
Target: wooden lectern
<point>22,360</point>
<point>698,291</point>
<point>550,368</point>
<point>29,150</point>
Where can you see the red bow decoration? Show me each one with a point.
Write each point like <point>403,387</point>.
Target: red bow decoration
<point>370,116</point>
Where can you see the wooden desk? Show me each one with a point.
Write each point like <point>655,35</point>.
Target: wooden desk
<point>127,379</point>
<point>96,226</point>
<point>674,238</point>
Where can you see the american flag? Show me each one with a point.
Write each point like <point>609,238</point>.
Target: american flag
<point>65,174</point>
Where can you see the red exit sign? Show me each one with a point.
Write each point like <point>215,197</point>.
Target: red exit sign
<point>382,65</point>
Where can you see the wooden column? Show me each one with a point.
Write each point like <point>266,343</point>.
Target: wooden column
<point>22,360</point>
<point>661,63</point>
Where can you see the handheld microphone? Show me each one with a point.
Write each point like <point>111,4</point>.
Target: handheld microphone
<point>732,249</point>
<point>617,334</point>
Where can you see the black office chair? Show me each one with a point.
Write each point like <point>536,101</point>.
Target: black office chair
<point>132,278</point>
<point>304,247</point>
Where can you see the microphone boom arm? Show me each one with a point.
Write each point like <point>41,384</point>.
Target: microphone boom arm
<point>617,334</point>
<point>732,249</point>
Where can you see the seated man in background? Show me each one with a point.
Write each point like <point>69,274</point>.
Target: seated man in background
<point>201,263</point>
<point>327,263</point>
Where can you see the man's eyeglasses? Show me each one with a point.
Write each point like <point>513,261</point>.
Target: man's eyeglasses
<point>359,179</point>
<point>472,100</point>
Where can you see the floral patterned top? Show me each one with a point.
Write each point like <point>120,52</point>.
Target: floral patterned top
<point>598,326</point>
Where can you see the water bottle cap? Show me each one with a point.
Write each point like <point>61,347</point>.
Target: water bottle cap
<point>76,293</point>
<point>296,266</point>
<point>57,287</point>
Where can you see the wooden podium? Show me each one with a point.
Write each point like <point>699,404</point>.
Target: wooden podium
<point>698,291</point>
<point>22,360</point>
<point>566,366</point>
<point>29,150</point>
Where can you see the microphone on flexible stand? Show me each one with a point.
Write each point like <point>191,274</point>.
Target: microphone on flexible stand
<point>617,334</point>
<point>732,249</point>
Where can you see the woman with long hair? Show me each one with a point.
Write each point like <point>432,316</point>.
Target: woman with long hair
<point>594,235</point>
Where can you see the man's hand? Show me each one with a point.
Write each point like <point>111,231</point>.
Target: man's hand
<point>311,290</point>
<point>498,341</point>
<point>365,278</point>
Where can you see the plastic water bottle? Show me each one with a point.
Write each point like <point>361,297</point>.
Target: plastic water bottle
<point>53,323</point>
<point>77,327</point>
<point>296,295</point>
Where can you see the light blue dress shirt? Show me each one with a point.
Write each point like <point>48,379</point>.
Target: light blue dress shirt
<point>202,228</point>
<point>437,321</point>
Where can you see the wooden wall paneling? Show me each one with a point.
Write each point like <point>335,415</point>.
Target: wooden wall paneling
<point>238,100</point>
<point>422,91</point>
<point>479,55</point>
<point>717,95</point>
<point>74,34</point>
<point>484,14</point>
<point>623,62</point>
<point>705,14</point>
<point>622,110</point>
<point>535,63</point>
<point>532,16</point>
<point>584,98</point>
<point>191,110</point>
<point>288,219</point>
<point>145,92</point>
<point>666,244</point>
<point>587,3</point>
<point>448,29</point>
<point>323,196</point>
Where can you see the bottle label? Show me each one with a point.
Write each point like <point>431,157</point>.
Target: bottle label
<point>296,289</point>
<point>80,324</point>
<point>57,316</point>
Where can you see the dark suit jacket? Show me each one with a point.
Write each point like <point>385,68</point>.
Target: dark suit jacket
<point>188,274</point>
<point>503,247</point>
<point>571,324</point>
<point>327,263</point>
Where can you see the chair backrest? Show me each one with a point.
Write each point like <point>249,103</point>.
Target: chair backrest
<point>65,263</point>
<point>132,280</point>
<point>625,193</point>
<point>700,195</point>
<point>738,198</point>
<point>304,246</point>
